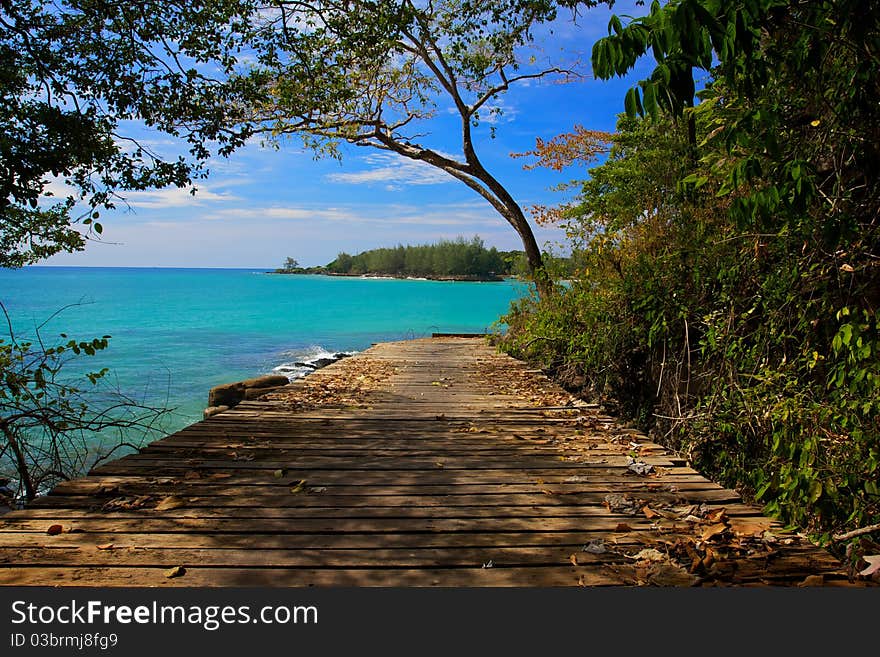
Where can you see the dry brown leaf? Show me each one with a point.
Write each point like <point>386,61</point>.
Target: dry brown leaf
<point>622,527</point>
<point>649,554</point>
<point>649,512</point>
<point>54,530</point>
<point>547,491</point>
<point>717,515</point>
<point>668,573</point>
<point>873,565</point>
<point>170,502</point>
<point>812,580</point>
<point>105,546</point>
<point>573,558</point>
<point>177,571</point>
<point>713,530</point>
<point>192,474</point>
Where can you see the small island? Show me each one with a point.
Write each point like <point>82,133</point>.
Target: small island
<point>446,260</point>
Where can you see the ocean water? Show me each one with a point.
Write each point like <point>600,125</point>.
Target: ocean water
<point>175,333</point>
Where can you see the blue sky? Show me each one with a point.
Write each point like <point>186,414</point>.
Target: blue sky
<point>262,204</point>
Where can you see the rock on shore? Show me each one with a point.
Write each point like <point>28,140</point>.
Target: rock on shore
<point>223,397</point>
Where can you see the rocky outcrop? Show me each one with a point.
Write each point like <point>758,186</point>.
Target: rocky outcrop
<point>267,381</point>
<point>228,394</point>
<point>222,398</point>
<point>214,410</point>
<point>318,363</point>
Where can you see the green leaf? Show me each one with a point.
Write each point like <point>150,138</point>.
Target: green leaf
<point>650,99</point>
<point>614,25</point>
<point>632,103</point>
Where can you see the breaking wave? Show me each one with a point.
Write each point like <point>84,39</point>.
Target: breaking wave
<point>302,362</point>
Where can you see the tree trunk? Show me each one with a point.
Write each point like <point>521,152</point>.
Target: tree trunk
<point>533,254</point>
<point>516,218</point>
<point>20,462</point>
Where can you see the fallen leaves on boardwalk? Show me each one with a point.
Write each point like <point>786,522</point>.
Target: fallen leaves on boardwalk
<point>688,545</point>
<point>526,384</point>
<point>349,385</point>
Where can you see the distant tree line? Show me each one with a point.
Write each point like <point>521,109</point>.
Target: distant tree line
<point>459,259</point>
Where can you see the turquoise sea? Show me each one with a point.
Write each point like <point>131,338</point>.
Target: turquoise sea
<point>175,333</point>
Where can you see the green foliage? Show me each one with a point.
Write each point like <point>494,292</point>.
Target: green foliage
<point>70,74</point>
<point>290,265</point>
<point>454,258</point>
<point>54,424</point>
<point>728,266</point>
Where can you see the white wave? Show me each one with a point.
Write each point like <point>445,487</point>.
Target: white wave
<point>302,362</point>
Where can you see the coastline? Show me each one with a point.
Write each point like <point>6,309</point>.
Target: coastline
<point>453,278</point>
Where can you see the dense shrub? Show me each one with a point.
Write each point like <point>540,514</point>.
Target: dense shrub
<point>729,257</point>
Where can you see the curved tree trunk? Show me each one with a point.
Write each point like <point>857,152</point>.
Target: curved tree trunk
<point>516,218</point>
<point>473,174</point>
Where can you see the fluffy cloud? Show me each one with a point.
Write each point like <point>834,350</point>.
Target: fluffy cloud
<point>393,172</point>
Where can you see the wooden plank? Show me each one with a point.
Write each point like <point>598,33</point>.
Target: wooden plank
<point>584,501</point>
<point>367,482</point>
<point>306,558</point>
<point>606,522</point>
<point>288,577</point>
<point>574,540</point>
<point>534,462</point>
<point>247,485</point>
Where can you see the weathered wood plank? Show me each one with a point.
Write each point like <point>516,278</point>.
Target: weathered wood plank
<point>574,540</point>
<point>538,499</point>
<point>291,577</point>
<point>367,483</point>
<point>463,557</point>
<point>605,522</point>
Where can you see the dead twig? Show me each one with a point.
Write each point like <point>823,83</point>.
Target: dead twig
<point>870,529</point>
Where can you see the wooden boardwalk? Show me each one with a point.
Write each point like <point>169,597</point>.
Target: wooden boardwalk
<point>419,463</point>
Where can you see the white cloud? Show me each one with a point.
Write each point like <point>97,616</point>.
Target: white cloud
<point>497,112</point>
<point>60,190</point>
<point>150,144</point>
<point>263,236</point>
<point>176,197</point>
<point>470,216</point>
<point>285,213</point>
<point>393,172</point>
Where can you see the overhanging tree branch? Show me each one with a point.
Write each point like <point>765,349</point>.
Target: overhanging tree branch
<point>380,70</point>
